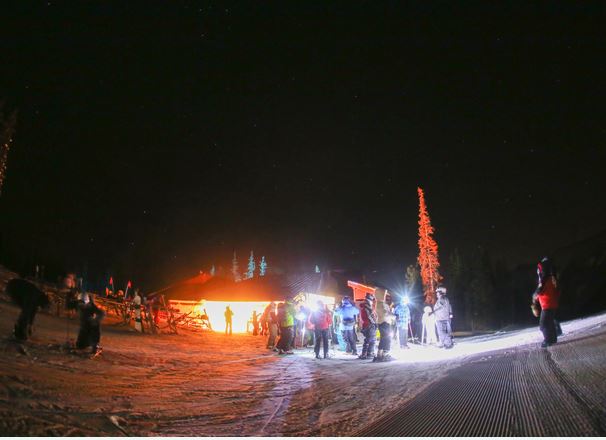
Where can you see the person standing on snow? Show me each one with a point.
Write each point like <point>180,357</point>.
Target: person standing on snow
<point>287,322</point>
<point>443,313</point>
<point>321,320</point>
<point>29,298</point>
<point>228,319</point>
<point>402,313</point>
<point>428,320</point>
<point>348,313</point>
<point>136,305</point>
<point>255,323</point>
<point>385,319</point>
<point>89,334</point>
<point>272,324</point>
<point>548,296</point>
<point>368,322</point>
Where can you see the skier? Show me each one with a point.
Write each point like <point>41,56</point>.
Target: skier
<point>348,313</point>
<point>228,319</point>
<point>385,320</point>
<point>428,334</point>
<point>549,296</point>
<point>402,313</point>
<point>90,324</point>
<point>136,306</point>
<point>443,313</point>
<point>321,320</point>
<point>368,322</point>
<point>29,298</point>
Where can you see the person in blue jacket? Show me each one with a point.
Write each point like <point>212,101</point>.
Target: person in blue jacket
<point>348,314</point>
<point>402,321</point>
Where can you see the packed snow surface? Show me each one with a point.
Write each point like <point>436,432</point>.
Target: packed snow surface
<point>208,384</point>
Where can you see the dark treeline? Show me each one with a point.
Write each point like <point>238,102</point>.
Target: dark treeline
<point>485,294</point>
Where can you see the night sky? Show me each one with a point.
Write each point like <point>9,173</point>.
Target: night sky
<point>155,138</point>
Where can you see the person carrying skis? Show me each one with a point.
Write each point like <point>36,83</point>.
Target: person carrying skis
<point>348,313</point>
<point>402,313</point>
<point>321,320</point>
<point>368,322</point>
<point>443,313</point>
<point>548,295</point>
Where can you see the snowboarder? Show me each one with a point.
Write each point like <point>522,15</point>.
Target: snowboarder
<point>136,306</point>
<point>348,313</point>
<point>321,320</point>
<point>228,320</point>
<point>549,296</point>
<point>90,324</point>
<point>443,313</point>
<point>428,334</point>
<point>368,322</point>
<point>29,298</point>
<point>385,320</point>
<point>402,313</point>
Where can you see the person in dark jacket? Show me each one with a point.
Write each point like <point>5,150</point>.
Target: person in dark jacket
<point>443,314</point>
<point>548,295</point>
<point>321,320</point>
<point>90,324</point>
<point>368,323</point>
<point>29,299</point>
<point>348,314</point>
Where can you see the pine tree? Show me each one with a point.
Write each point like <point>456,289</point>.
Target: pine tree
<point>251,266</point>
<point>317,269</point>
<point>7,130</point>
<point>428,253</point>
<point>262,266</point>
<point>411,278</point>
<point>235,270</point>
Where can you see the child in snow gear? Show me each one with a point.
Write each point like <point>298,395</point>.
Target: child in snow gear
<point>402,313</point>
<point>443,313</point>
<point>548,296</point>
<point>29,298</point>
<point>348,313</point>
<point>321,320</point>
<point>428,320</point>
<point>90,323</point>
<point>385,319</point>
<point>228,319</point>
<point>368,322</point>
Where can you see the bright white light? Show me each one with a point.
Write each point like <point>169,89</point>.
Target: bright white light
<point>406,300</point>
<point>300,316</point>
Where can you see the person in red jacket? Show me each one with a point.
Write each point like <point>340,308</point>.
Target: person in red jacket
<point>548,296</point>
<point>321,320</point>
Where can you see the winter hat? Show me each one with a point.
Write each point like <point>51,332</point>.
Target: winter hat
<point>370,297</point>
<point>441,290</point>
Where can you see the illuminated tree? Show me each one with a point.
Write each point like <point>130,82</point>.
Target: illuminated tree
<point>7,129</point>
<point>262,266</point>
<point>428,253</point>
<point>235,270</point>
<point>251,266</point>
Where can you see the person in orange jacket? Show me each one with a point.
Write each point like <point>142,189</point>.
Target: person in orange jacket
<point>548,295</point>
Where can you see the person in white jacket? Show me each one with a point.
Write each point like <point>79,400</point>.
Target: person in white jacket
<point>385,319</point>
<point>443,313</point>
<point>428,335</point>
<point>136,305</point>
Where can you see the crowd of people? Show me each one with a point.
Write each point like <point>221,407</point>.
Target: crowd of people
<point>286,325</point>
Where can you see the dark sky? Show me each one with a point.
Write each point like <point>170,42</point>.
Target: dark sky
<point>154,138</point>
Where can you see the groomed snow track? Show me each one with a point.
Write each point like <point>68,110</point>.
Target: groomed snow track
<point>529,391</point>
